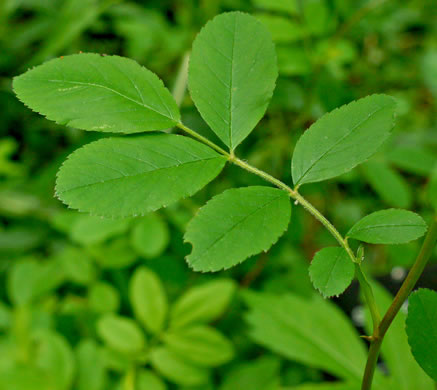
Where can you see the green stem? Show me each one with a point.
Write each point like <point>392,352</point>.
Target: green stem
<point>294,194</point>
<point>401,296</point>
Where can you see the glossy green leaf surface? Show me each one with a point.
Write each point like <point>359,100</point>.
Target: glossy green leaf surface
<point>148,299</point>
<point>331,271</point>
<point>390,226</point>
<point>342,139</point>
<point>235,225</point>
<point>203,303</point>
<point>201,345</point>
<point>133,176</point>
<point>100,93</point>
<point>232,74</point>
<point>421,326</point>
<point>121,333</point>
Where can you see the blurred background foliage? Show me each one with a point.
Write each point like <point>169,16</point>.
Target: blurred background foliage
<point>88,303</point>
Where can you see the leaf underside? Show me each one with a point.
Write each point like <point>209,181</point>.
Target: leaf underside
<point>232,75</point>
<point>235,225</point>
<point>91,92</point>
<point>118,177</point>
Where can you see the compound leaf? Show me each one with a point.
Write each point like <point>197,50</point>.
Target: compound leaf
<point>390,226</point>
<point>331,271</point>
<point>232,75</point>
<point>99,93</point>
<point>342,139</point>
<point>421,328</point>
<point>130,176</point>
<point>235,225</point>
<point>148,299</point>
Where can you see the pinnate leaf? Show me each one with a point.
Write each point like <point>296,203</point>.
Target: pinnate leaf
<point>390,226</point>
<point>421,328</point>
<point>132,176</point>
<point>232,74</point>
<point>331,271</point>
<point>235,225</point>
<point>342,139</point>
<point>99,93</point>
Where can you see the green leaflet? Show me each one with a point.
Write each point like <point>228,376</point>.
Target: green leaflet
<point>99,93</point>
<point>331,271</point>
<point>121,334</point>
<point>200,345</point>
<point>311,331</point>
<point>148,299</point>
<point>176,369</point>
<point>232,74</point>
<point>91,368</point>
<point>413,159</point>
<point>421,328</point>
<point>390,226</point>
<point>202,304</point>
<point>235,225</point>
<point>388,184</point>
<point>135,175</point>
<point>342,139</point>
<point>148,380</point>
<point>103,298</point>
<point>150,236</point>
<point>55,357</point>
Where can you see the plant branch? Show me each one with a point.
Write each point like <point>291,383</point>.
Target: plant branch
<point>401,296</point>
<point>294,194</point>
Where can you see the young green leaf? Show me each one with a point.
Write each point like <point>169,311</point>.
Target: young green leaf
<point>235,225</point>
<point>133,176</point>
<point>121,334</point>
<point>331,271</point>
<point>393,189</point>
<point>150,236</point>
<point>314,332</point>
<point>390,226</point>
<point>103,298</point>
<point>55,357</point>
<point>421,326</point>
<point>176,369</point>
<point>148,299</point>
<point>232,74</point>
<point>202,304</point>
<point>148,380</point>
<point>200,345</point>
<point>342,139</point>
<point>100,93</point>
<point>91,368</point>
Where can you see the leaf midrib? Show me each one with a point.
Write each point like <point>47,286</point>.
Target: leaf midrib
<point>340,140</point>
<point>233,227</point>
<point>135,175</point>
<point>384,226</point>
<point>111,90</point>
